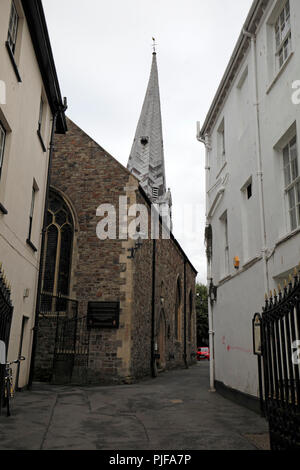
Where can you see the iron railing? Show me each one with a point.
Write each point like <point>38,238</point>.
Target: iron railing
<point>71,336</point>
<point>6,312</point>
<point>57,305</point>
<point>279,372</point>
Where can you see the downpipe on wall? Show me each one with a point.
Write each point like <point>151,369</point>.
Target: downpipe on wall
<point>153,352</point>
<point>260,174</point>
<point>209,276</point>
<point>185,326</point>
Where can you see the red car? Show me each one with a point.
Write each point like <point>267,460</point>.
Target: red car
<point>203,353</point>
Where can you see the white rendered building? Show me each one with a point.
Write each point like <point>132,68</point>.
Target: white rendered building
<point>251,134</point>
<point>31,110</point>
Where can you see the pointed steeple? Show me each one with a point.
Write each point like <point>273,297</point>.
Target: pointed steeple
<point>146,159</point>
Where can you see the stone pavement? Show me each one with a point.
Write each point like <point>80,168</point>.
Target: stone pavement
<point>174,411</point>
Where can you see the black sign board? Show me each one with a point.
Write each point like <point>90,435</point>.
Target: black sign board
<point>103,314</point>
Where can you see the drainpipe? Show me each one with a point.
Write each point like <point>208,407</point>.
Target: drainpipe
<point>209,270</point>
<point>260,174</point>
<point>153,352</point>
<point>211,335</point>
<point>60,109</point>
<point>209,280</point>
<point>184,354</point>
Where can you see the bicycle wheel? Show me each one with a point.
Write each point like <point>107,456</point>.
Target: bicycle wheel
<point>7,398</point>
<point>2,399</point>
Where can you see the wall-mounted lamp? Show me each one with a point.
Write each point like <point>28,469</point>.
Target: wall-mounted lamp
<point>236,262</point>
<point>212,292</point>
<point>132,253</point>
<point>138,245</point>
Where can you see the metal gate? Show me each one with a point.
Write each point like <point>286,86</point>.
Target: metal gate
<point>71,351</point>
<point>277,345</point>
<point>6,311</point>
<point>71,339</point>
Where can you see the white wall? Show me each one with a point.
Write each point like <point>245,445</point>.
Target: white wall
<point>242,293</point>
<point>24,162</point>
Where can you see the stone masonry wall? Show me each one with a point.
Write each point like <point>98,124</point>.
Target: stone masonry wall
<point>86,176</point>
<point>169,261</point>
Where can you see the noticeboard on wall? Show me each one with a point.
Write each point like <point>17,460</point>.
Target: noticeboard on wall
<point>103,315</point>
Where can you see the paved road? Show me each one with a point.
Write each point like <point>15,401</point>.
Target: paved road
<point>174,411</point>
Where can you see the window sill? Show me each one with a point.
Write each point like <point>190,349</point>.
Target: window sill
<point>225,279</point>
<point>280,71</point>
<point>3,210</point>
<point>243,269</point>
<point>41,141</point>
<point>288,236</point>
<point>250,262</point>
<point>221,169</point>
<point>31,245</point>
<point>12,59</point>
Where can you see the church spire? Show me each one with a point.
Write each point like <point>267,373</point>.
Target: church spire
<point>146,159</point>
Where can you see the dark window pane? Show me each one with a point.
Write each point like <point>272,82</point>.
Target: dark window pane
<point>55,203</point>
<point>49,272</point>
<point>61,218</point>
<point>249,191</point>
<point>65,260</point>
<point>49,218</point>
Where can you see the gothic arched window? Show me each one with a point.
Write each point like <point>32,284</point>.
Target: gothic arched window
<point>58,247</point>
<point>178,311</point>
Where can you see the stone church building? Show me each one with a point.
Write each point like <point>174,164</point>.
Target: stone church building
<point>117,309</point>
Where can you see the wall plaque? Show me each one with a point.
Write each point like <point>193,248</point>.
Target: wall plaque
<point>103,314</point>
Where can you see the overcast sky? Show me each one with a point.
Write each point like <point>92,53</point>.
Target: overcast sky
<point>103,53</point>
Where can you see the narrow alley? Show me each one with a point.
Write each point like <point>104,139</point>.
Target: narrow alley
<point>174,411</point>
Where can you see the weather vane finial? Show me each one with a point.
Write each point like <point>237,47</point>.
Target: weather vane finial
<point>154,45</point>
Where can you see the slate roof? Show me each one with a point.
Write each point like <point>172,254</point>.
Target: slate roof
<point>146,159</point>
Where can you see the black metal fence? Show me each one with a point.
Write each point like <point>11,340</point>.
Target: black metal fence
<point>6,311</point>
<point>60,306</point>
<point>69,340</point>
<point>278,352</point>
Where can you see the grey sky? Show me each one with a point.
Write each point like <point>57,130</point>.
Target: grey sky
<point>102,52</point>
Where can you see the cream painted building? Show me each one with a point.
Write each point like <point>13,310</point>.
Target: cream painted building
<point>251,134</point>
<point>29,100</point>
